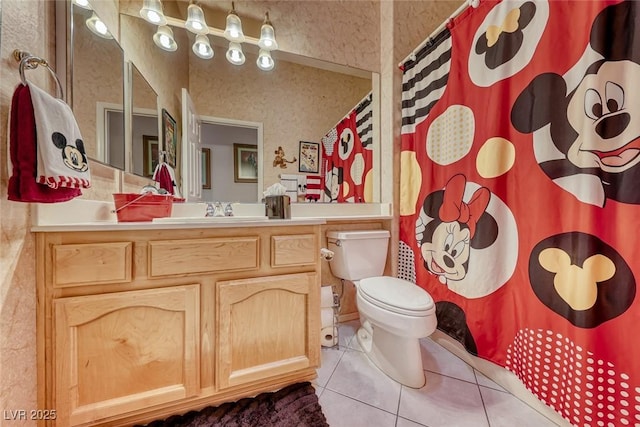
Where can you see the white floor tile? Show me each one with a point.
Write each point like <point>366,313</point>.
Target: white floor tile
<point>443,402</point>
<point>402,422</point>
<point>355,393</point>
<point>437,359</point>
<point>329,360</point>
<point>357,377</point>
<point>342,411</point>
<point>486,382</point>
<point>505,410</point>
<point>346,332</point>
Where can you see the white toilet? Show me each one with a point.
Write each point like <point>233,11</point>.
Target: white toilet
<point>394,313</point>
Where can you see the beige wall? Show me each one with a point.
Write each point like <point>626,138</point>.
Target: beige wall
<point>294,102</point>
<point>342,32</point>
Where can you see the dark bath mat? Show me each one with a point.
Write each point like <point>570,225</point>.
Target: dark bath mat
<point>293,406</point>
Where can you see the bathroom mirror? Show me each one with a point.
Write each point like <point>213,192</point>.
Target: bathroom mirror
<point>97,67</point>
<point>145,147</point>
<point>294,102</point>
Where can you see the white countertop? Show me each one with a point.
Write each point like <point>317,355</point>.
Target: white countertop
<point>93,215</point>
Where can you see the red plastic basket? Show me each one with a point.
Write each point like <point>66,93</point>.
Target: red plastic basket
<point>134,207</point>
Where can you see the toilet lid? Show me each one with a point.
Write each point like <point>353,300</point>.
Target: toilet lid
<point>396,295</point>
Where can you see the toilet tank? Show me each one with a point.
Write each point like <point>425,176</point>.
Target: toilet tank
<point>358,254</point>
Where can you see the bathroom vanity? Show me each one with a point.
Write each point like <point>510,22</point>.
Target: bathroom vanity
<point>136,322</point>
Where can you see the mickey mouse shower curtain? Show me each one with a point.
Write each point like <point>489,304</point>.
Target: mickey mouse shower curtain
<point>520,195</point>
<point>347,153</point>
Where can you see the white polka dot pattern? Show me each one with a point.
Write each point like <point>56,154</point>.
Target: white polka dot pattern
<point>585,390</point>
<point>450,136</point>
<point>329,141</point>
<point>357,168</point>
<point>406,263</point>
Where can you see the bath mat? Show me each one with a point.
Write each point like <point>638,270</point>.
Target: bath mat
<point>293,406</point>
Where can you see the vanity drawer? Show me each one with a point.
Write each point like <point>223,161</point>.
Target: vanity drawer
<point>91,263</point>
<point>294,250</point>
<point>171,257</point>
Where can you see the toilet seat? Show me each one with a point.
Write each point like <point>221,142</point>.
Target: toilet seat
<point>396,295</point>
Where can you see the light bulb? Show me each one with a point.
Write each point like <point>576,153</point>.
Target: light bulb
<point>83,4</point>
<point>233,30</point>
<point>234,54</point>
<point>267,35</point>
<point>163,38</point>
<point>265,61</point>
<point>195,20</point>
<point>98,27</point>
<point>152,12</point>
<point>202,48</point>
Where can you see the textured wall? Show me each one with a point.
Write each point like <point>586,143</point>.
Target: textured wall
<point>24,26</point>
<point>294,102</point>
<point>320,29</point>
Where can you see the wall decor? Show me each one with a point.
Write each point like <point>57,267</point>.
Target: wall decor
<point>206,168</point>
<point>280,160</point>
<point>150,153</point>
<point>170,135</point>
<point>309,157</point>
<point>245,163</point>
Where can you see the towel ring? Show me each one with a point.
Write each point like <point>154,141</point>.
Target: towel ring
<point>31,62</point>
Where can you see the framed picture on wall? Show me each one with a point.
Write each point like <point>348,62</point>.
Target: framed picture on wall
<point>206,168</point>
<point>170,138</point>
<point>309,157</point>
<point>245,163</point>
<point>150,153</point>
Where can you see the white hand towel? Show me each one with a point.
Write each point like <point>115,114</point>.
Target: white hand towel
<point>62,160</point>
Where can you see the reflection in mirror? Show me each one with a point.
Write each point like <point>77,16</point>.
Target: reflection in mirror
<point>220,139</point>
<point>144,125</point>
<point>97,66</point>
<point>301,99</point>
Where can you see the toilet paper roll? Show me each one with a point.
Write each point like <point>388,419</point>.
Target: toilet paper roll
<point>326,296</point>
<point>329,336</point>
<point>326,317</point>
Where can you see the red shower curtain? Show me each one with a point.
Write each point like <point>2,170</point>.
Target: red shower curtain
<point>347,153</point>
<point>520,188</point>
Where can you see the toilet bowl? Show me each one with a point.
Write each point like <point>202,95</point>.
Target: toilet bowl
<point>394,313</point>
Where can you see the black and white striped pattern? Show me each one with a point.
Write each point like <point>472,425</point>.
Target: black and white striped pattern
<point>425,80</point>
<point>364,122</point>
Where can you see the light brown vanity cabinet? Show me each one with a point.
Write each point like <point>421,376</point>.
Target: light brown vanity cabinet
<point>125,351</point>
<point>264,327</point>
<point>138,325</point>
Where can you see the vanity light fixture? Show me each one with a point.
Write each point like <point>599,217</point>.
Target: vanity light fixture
<point>233,31</point>
<point>98,27</point>
<point>195,23</point>
<point>265,61</point>
<point>202,48</point>
<point>152,12</point>
<point>163,38</point>
<point>267,35</point>
<point>195,20</point>
<point>234,53</point>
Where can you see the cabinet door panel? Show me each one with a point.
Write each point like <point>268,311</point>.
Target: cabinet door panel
<point>125,351</point>
<point>171,257</point>
<point>268,326</point>
<point>294,250</point>
<point>91,263</point>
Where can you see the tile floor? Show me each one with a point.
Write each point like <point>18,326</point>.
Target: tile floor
<point>355,393</point>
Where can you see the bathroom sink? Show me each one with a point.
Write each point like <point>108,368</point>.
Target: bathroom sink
<point>210,219</point>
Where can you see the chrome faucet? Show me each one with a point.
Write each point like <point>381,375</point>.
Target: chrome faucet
<point>228,210</point>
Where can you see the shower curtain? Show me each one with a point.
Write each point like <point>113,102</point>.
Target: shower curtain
<point>520,194</point>
<point>347,153</point>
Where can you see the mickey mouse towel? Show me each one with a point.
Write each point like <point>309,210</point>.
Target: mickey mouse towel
<point>520,172</point>
<point>62,161</point>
